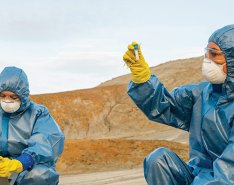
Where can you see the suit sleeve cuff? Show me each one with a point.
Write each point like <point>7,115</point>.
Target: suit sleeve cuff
<point>26,160</point>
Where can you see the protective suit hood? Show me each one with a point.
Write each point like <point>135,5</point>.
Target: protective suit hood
<point>224,38</point>
<point>15,80</point>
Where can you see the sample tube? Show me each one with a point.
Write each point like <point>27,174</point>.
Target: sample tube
<point>136,51</point>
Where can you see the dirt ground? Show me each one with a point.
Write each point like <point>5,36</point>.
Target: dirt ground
<point>87,156</point>
<point>120,177</point>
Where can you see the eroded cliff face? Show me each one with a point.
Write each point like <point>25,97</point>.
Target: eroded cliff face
<point>96,113</point>
<point>107,111</point>
<point>105,130</point>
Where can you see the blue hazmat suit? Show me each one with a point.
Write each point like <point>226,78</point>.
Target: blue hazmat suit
<point>30,133</point>
<point>203,109</point>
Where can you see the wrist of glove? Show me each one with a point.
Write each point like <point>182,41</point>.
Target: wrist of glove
<point>9,166</point>
<point>140,71</point>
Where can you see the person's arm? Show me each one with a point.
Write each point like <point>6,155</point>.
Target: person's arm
<point>159,105</point>
<point>46,142</point>
<point>152,97</point>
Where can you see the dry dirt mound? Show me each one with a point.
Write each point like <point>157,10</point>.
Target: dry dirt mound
<point>172,74</point>
<point>93,120</point>
<point>83,156</point>
<point>108,112</point>
<point>104,112</point>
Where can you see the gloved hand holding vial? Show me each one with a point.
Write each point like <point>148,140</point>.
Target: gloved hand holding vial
<point>134,59</point>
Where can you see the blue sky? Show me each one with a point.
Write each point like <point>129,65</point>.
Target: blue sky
<point>74,44</point>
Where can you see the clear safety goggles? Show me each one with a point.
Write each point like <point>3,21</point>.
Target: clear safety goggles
<point>212,53</point>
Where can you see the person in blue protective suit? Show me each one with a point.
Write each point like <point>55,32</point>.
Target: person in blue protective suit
<point>205,110</point>
<point>30,139</point>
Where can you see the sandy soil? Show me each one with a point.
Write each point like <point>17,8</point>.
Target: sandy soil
<point>87,156</point>
<point>122,177</point>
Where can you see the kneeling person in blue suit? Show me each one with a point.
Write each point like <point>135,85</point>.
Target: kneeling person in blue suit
<point>30,139</point>
<point>205,110</point>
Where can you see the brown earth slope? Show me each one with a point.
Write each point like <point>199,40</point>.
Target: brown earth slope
<point>99,122</point>
<point>172,74</point>
<point>107,111</point>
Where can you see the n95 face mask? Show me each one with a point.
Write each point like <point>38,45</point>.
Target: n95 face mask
<point>10,106</point>
<point>213,72</point>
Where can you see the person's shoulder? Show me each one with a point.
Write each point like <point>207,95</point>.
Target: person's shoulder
<point>38,109</point>
<point>203,84</point>
<point>196,86</point>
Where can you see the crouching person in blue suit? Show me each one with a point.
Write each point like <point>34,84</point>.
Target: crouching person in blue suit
<point>205,110</point>
<point>30,139</point>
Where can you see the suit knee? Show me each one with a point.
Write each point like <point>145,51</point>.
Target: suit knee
<point>157,157</point>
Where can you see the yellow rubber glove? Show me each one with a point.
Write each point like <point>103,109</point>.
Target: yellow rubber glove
<point>140,71</point>
<point>8,166</point>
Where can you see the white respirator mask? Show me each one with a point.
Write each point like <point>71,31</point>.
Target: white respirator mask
<point>213,72</point>
<point>10,106</point>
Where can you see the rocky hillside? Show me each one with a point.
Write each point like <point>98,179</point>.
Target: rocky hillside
<point>107,111</point>
<point>172,74</point>
<point>106,131</point>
